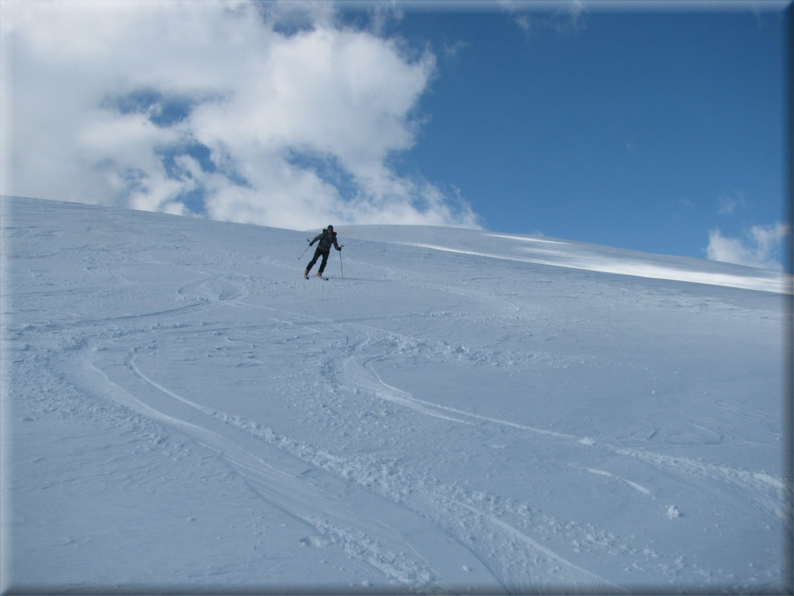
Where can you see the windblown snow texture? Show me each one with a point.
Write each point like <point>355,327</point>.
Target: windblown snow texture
<point>463,411</point>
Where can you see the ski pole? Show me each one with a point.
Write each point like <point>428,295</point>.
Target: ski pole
<point>304,252</point>
<point>340,261</point>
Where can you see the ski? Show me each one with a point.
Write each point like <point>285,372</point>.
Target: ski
<point>322,278</point>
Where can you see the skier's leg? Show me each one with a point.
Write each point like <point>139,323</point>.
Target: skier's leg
<point>317,254</point>
<point>323,262</point>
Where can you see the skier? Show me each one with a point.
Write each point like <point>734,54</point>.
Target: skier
<point>326,239</point>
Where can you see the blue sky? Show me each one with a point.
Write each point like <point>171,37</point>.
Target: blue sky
<point>625,124</point>
<point>642,130</point>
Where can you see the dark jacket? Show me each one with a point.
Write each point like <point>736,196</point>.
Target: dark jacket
<point>326,240</point>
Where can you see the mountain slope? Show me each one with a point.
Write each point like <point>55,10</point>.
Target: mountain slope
<point>187,412</point>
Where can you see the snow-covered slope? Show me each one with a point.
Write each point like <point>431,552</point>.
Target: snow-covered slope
<point>461,411</point>
<point>578,255</point>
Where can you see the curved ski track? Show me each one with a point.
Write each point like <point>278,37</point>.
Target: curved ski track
<point>416,531</point>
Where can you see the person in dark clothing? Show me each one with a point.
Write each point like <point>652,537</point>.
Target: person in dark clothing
<point>326,239</point>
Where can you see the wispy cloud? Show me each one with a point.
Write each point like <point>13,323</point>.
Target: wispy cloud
<point>531,17</point>
<point>524,22</point>
<point>277,114</point>
<point>729,203</point>
<point>760,246</point>
<point>381,13</point>
<point>451,51</point>
<point>561,17</point>
<point>571,18</point>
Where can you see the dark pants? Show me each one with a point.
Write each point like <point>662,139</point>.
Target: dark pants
<point>317,254</point>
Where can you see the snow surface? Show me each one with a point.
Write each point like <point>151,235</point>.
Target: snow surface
<point>463,411</point>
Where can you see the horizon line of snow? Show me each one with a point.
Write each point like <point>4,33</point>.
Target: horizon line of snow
<point>781,285</point>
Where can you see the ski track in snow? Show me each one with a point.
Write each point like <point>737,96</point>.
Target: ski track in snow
<point>335,519</point>
<point>329,508</point>
<point>437,511</point>
<point>764,489</point>
<point>426,530</point>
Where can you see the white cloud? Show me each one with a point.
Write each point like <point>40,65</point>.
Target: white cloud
<point>758,248</point>
<point>563,17</point>
<point>276,114</point>
<point>524,23</point>
<point>729,203</point>
<point>574,20</point>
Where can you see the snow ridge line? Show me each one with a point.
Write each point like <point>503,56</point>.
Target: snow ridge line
<point>780,284</point>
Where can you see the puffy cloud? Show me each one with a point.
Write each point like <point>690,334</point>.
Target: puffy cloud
<point>759,247</point>
<point>276,114</point>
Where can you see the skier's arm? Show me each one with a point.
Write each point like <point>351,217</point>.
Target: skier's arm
<point>316,238</point>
